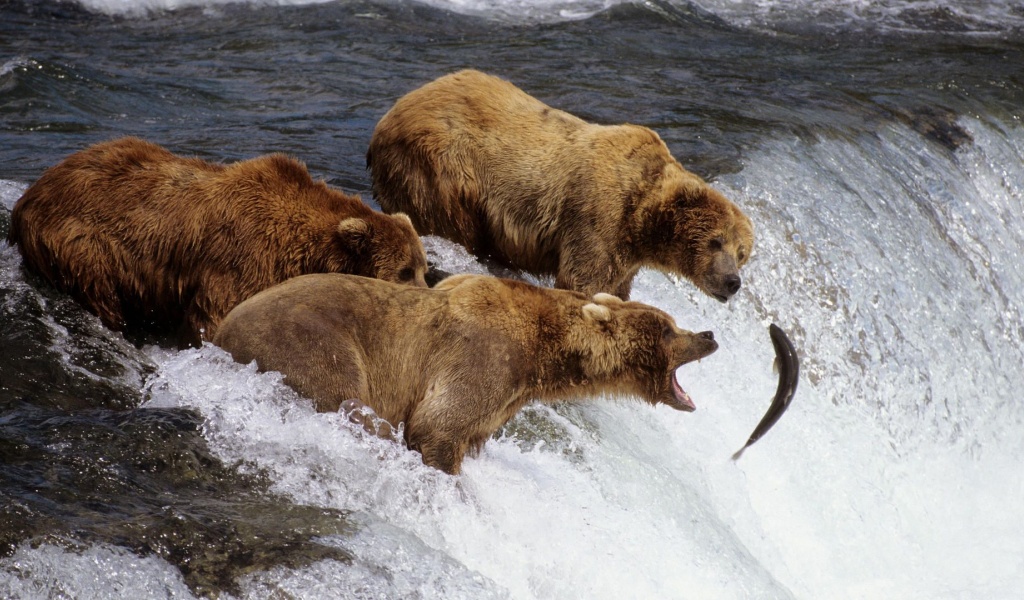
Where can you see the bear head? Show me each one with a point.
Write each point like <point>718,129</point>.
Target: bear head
<point>698,233</point>
<point>642,349</point>
<point>383,247</point>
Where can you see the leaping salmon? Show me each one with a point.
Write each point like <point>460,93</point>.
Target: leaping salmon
<point>789,371</point>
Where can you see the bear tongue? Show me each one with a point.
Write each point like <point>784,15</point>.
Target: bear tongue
<point>682,399</point>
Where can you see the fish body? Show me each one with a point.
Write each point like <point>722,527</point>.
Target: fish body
<point>788,366</point>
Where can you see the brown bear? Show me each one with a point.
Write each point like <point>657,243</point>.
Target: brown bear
<point>473,158</point>
<point>455,362</point>
<point>152,241</point>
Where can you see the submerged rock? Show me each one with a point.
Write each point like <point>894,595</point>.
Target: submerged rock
<point>145,480</point>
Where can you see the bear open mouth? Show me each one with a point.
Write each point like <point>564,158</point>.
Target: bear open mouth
<point>682,400</point>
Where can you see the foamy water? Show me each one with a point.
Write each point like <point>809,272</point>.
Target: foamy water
<point>902,15</point>
<point>989,16</point>
<point>515,10</point>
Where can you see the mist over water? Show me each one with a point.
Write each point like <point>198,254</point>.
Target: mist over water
<point>879,150</point>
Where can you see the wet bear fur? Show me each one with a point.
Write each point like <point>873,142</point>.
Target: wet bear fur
<point>455,362</point>
<point>473,158</point>
<point>149,240</point>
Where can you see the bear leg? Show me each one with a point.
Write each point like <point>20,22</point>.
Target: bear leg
<point>431,432</point>
<point>445,455</point>
<point>212,298</point>
<point>583,270</point>
<point>195,328</point>
<point>624,288</point>
<point>87,267</point>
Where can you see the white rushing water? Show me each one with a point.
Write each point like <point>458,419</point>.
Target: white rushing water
<point>894,266</point>
<point>510,10</point>
<point>901,15</point>
<point>982,16</point>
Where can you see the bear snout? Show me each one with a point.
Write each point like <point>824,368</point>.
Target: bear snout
<point>724,287</point>
<point>693,346</point>
<point>732,284</point>
<point>706,344</point>
<point>722,280</point>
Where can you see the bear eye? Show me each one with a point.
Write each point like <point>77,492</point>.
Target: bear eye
<point>406,274</point>
<point>716,244</point>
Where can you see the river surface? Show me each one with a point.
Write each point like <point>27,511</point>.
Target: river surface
<point>877,146</point>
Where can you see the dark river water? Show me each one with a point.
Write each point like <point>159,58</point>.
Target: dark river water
<point>878,148</point>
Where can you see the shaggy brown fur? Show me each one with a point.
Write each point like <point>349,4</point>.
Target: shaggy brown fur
<point>473,158</point>
<point>146,239</point>
<point>456,362</point>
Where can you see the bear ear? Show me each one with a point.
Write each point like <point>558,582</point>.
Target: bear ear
<point>453,280</point>
<point>354,232</point>
<point>596,312</point>
<point>403,217</point>
<point>603,298</point>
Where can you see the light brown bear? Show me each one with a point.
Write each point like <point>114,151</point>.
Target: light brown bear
<point>473,158</point>
<point>149,240</point>
<point>455,362</point>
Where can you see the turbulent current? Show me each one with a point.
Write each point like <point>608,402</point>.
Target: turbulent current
<point>878,147</point>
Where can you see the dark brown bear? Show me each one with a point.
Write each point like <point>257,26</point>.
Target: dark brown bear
<point>149,240</point>
<point>473,158</point>
<point>454,363</point>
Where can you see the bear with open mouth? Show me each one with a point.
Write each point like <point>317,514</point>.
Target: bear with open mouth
<point>456,362</point>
